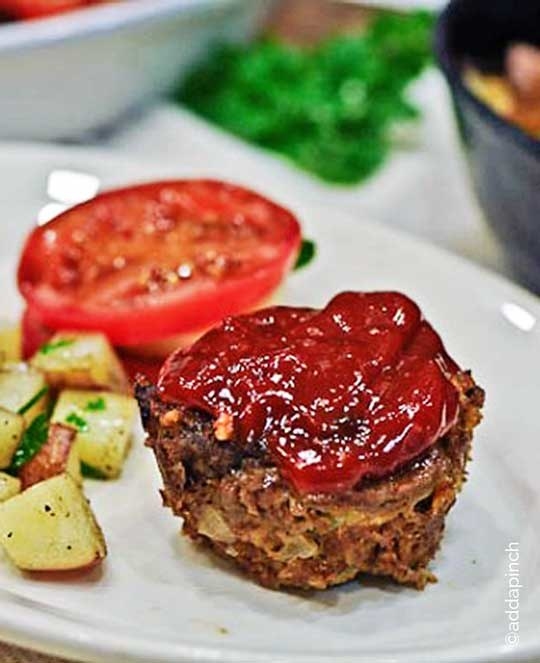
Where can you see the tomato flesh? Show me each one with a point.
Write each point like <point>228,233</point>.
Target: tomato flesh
<point>34,334</point>
<point>156,260</point>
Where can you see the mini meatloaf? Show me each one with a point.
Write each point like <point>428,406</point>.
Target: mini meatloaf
<point>311,446</point>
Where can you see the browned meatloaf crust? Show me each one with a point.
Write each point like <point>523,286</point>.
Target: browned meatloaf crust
<point>233,499</point>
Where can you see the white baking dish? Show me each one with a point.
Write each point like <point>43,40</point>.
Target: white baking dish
<point>67,75</point>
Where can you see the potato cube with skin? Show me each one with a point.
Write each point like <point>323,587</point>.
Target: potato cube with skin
<point>58,455</point>
<point>10,342</point>
<point>104,422</point>
<point>81,361</point>
<point>23,390</point>
<point>9,486</point>
<point>51,527</point>
<point>11,431</point>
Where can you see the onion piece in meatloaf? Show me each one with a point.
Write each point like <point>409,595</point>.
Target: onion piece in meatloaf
<point>235,497</point>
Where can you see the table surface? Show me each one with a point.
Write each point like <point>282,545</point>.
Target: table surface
<point>423,190</point>
<point>307,21</point>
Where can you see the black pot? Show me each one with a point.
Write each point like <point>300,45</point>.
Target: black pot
<point>505,162</point>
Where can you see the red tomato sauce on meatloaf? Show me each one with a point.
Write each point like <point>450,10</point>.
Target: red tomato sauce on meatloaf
<point>351,391</point>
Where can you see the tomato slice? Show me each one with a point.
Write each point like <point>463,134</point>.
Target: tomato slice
<point>34,333</point>
<point>24,9</point>
<point>153,261</point>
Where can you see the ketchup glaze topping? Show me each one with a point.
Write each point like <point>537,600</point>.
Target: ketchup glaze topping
<point>354,390</point>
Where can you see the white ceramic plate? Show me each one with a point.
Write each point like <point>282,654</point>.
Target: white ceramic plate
<point>158,600</point>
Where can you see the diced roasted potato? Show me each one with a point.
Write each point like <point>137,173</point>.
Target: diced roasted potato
<point>104,424</point>
<point>81,361</point>
<point>58,455</point>
<point>11,430</point>
<point>10,342</point>
<point>23,390</point>
<point>51,527</point>
<point>9,486</point>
